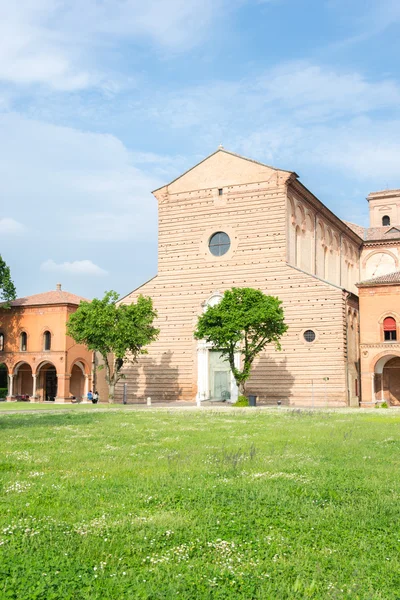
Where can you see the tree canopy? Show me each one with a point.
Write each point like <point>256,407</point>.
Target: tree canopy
<point>245,321</point>
<point>120,333</point>
<point>7,287</point>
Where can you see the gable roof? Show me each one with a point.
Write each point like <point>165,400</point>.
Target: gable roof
<point>53,297</point>
<point>388,279</point>
<point>221,149</point>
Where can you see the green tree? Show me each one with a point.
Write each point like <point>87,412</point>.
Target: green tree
<point>119,333</point>
<point>7,287</point>
<point>245,321</point>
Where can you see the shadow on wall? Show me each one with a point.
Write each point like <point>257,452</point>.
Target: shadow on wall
<point>149,378</point>
<point>271,381</point>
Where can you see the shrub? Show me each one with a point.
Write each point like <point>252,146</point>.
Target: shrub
<point>3,392</point>
<point>382,405</point>
<point>242,401</point>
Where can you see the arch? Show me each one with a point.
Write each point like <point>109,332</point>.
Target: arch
<point>387,378</point>
<point>385,220</point>
<point>3,380</point>
<point>320,251</point>
<point>77,380</point>
<point>47,380</point>
<point>22,379</point>
<point>297,247</point>
<point>214,299</point>
<point>82,364</point>
<point>307,251</point>
<point>385,251</point>
<point>389,313</point>
<point>381,359</point>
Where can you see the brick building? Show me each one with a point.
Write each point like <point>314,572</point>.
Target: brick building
<point>230,221</point>
<point>39,360</point>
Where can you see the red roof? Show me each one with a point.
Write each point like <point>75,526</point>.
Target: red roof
<point>389,279</point>
<point>53,297</point>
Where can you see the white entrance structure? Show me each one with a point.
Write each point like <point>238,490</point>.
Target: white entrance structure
<point>212,383</point>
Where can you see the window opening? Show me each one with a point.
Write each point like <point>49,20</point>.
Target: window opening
<point>1,342</point>
<point>220,191</point>
<point>219,243</point>
<point>24,340</point>
<point>385,220</point>
<point>47,340</point>
<point>389,329</point>
<point>309,335</point>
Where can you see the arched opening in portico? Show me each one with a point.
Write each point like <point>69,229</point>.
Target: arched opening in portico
<point>3,381</point>
<point>47,382</point>
<point>78,380</point>
<point>387,380</point>
<point>22,380</point>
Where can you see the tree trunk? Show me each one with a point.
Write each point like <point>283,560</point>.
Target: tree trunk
<point>111,392</point>
<point>242,388</point>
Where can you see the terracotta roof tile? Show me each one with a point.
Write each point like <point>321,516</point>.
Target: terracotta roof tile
<point>360,231</point>
<point>53,297</point>
<point>389,278</point>
<point>382,233</point>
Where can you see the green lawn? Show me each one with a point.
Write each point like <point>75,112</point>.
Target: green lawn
<point>118,503</point>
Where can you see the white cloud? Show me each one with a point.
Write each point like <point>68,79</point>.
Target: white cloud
<point>294,115</point>
<point>10,227</point>
<point>57,43</point>
<point>77,267</point>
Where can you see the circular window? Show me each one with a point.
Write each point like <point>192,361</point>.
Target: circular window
<point>309,335</point>
<point>219,243</point>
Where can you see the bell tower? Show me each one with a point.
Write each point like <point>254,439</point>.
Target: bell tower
<point>384,208</point>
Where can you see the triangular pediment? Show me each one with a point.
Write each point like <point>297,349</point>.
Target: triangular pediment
<point>392,231</point>
<point>221,169</point>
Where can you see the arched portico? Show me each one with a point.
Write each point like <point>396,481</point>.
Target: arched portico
<point>387,379</point>
<point>79,379</point>
<point>46,381</point>
<point>21,380</point>
<point>4,381</point>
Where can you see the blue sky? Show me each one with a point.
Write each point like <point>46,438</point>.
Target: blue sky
<point>102,101</point>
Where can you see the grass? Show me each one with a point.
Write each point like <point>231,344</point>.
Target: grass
<point>159,504</point>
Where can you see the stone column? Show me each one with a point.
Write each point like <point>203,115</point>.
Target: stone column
<point>86,389</point>
<point>10,387</point>
<point>34,388</point>
<point>62,388</point>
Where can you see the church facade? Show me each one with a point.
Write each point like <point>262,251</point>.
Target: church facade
<point>231,221</point>
<point>234,222</point>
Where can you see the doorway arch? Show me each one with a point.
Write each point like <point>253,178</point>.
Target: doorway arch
<point>23,380</point>
<point>78,378</point>
<point>47,381</point>
<point>387,379</point>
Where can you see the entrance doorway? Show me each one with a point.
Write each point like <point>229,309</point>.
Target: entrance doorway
<point>50,384</point>
<point>391,381</point>
<point>220,377</point>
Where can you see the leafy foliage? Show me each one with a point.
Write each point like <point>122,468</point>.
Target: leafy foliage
<point>119,333</point>
<point>242,401</point>
<point>7,287</point>
<point>245,320</point>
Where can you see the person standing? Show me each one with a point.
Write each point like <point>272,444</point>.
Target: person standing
<point>90,396</point>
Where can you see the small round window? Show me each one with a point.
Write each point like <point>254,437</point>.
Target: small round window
<point>309,335</point>
<point>219,243</point>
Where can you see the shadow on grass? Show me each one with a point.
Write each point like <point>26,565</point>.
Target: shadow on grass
<point>40,419</point>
